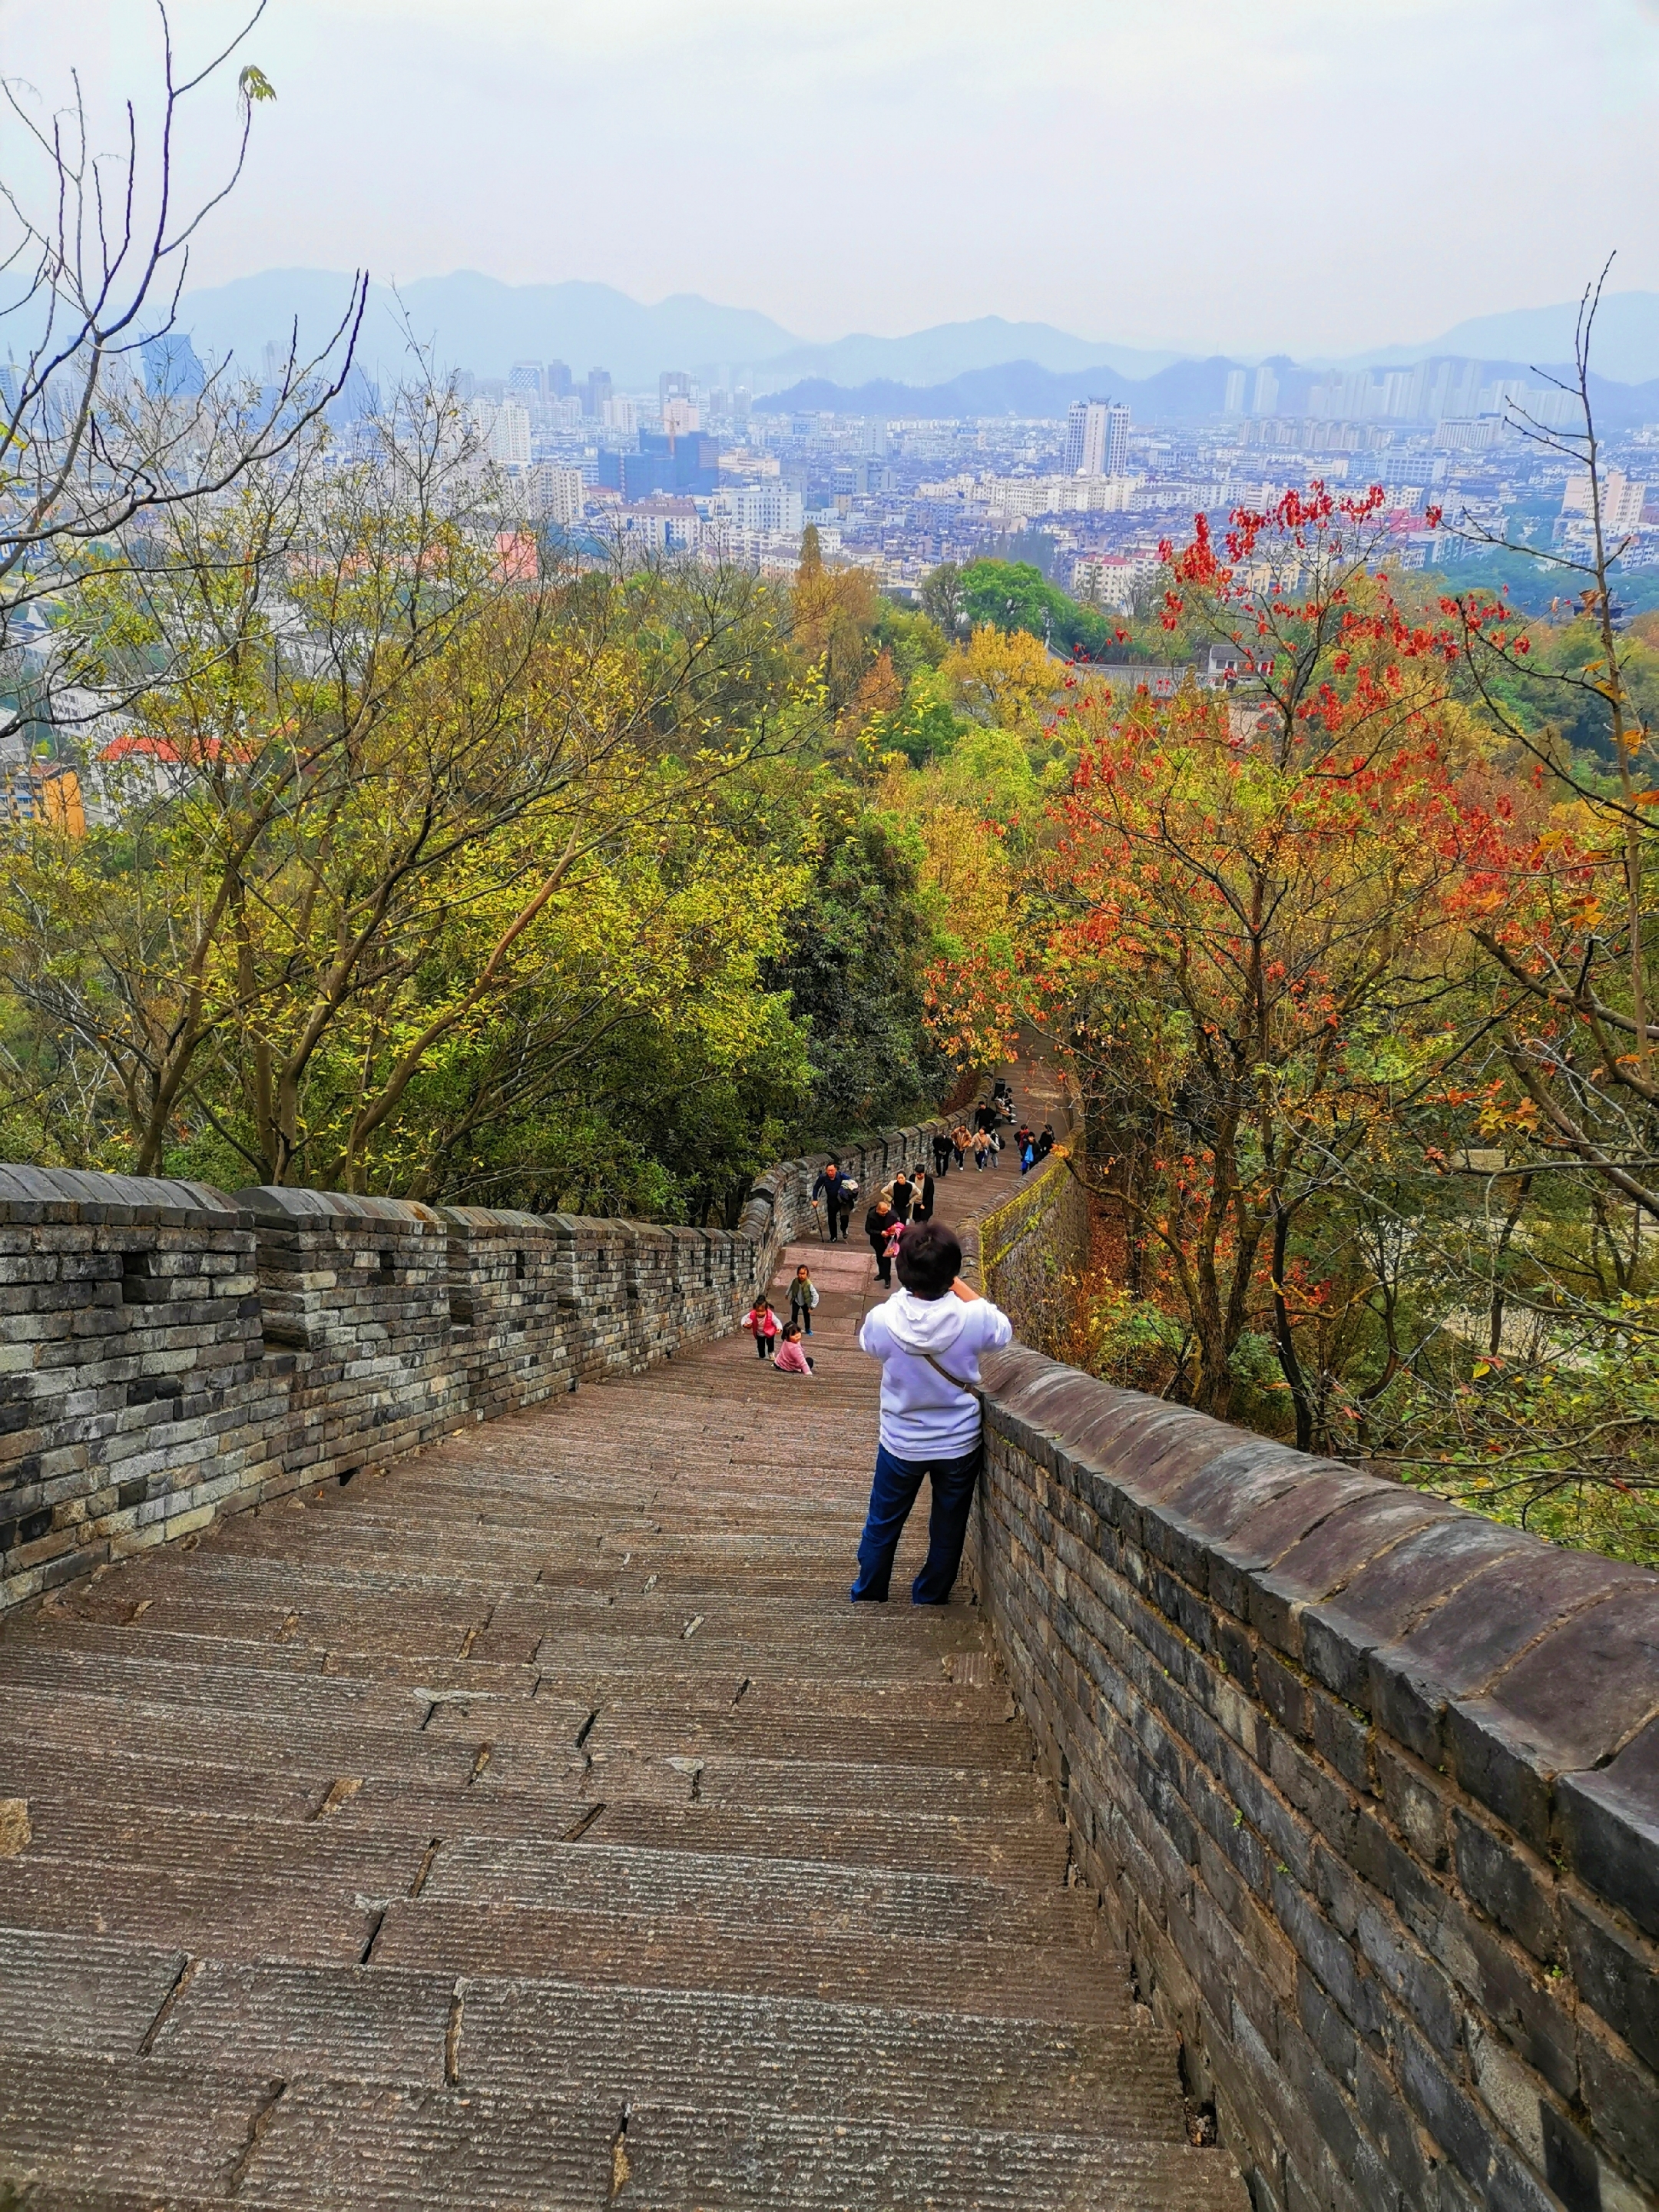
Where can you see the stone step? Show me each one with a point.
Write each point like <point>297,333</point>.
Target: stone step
<point>608,2047</point>
<point>299,1749</point>
<point>376,1840</point>
<point>818,1738</point>
<point>102,2136</point>
<point>190,1909</point>
<point>761,2163</point>
<point>1002,1850</point>
<point>939,1791</point>
<point>1053,1982</point>
<point>738,1892</point>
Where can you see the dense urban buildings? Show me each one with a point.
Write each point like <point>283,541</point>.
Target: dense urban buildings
<point>1086,496</point>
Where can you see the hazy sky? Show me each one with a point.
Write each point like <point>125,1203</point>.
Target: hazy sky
<point>1316,174</point>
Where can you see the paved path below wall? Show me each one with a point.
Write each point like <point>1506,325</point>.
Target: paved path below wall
<point>537,1825</point>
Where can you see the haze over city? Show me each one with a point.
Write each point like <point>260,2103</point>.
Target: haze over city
<point>1202,176</point>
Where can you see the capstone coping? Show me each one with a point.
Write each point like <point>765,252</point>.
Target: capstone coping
<point>120,1200</point>
<point>278,1202</point>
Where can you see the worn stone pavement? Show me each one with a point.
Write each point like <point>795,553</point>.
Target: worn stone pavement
<point>536,1823</point>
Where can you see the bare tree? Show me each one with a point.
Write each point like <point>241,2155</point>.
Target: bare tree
<point>104,422</point>
<point>1577,1030</point>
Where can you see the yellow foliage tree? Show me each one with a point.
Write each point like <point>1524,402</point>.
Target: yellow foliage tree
<point>1007,680</point>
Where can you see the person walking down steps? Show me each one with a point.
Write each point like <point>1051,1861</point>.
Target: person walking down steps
<point>802,1297</point>
<point>765,1325</point>
<point>828,1188</point>
<point>928,1337</point>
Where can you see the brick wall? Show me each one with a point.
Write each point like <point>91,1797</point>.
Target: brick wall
<point>1369,1786</point>
<point>1032,1249</point>
<point>167,1350</point>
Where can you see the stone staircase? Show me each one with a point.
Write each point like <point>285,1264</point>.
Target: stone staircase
<point>535,1823</point>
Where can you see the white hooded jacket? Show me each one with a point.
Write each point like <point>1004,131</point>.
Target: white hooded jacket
<point>923,1416</point>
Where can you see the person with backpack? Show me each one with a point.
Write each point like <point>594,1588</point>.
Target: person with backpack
<point>849,1198</point>
<point>791,1357</point>
<point>765,1325</point>
<point>828,1187</point>
<point>802,1297</point>
<point>928,1337</point>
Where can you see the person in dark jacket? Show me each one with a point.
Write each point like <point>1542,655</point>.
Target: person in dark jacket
<point>877,1227</point>
<point>828,1187</point>
<point>942,1153</point>
<point>985,1116</point>
<point>849,1199</point>
<point>921,1206</point>
<point>904,1192</point>
<point>1045,1143</point>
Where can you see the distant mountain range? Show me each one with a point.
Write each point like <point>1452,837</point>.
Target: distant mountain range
<point>1626,338</point>
<point>476,322</point>
<point>1186,389</point>
<point>990,365</point>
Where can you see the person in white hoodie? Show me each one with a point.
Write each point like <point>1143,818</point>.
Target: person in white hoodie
<point>928,1337</point>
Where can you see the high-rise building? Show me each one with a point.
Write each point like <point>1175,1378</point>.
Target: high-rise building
<point>558,379</point>
<point>1622,501</point>
<point>172,370</point>
<point>509,436</point>
<point>1117,440</point>
<point>679,415</point>
<point>1233,402</point>
<point>673,384</point>
<point>11,388</point>
<point>596,391</point>
<point>525,377</point>
<point>274,361</point>
<point>557,494</point>
<point>775,510</point>
<point>1264,397</point>
<point>1086,438</point>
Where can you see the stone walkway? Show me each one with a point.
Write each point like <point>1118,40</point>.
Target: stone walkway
<point>535,1823</point>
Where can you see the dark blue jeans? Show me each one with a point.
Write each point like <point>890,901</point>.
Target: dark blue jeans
<point>891,1496</point>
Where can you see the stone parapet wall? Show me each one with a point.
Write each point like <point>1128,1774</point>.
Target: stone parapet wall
<point>1033,1249</point>
<point>167,1350</point>
<point>1369,1785</point>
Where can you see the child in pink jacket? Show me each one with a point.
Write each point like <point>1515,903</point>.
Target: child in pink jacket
<point>763,1325</point>
<point>792,1358</point>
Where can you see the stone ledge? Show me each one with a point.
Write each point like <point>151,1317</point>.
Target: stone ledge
<point>29,1194</point>
<point>1529,1674</point>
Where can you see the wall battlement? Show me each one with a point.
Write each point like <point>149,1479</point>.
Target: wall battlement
<point>167,1351</point>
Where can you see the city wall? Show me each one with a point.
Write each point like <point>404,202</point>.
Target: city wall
<point>1029,1254</point>
<point>1369,1786</point>
<point>169,1351</point>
